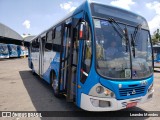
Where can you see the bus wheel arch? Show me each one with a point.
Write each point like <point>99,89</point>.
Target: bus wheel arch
<point>54,83</point>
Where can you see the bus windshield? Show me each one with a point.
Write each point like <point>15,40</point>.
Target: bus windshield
<point>115,58</point>
<point>13,48</point>
<point>3,49</point>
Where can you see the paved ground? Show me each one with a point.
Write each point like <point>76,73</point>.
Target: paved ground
<point>22,91</point>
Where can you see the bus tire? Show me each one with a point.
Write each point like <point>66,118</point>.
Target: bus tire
<point>54,84</point>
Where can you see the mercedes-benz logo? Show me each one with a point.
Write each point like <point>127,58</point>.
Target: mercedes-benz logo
<point>134,91</point>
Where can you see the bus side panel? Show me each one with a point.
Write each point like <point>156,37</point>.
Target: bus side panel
<point>29,58</point>
<point>51,62</point>
<point>35,61</point>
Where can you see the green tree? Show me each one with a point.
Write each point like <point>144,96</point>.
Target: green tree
<point>157,34</point>
<point>156,37</point>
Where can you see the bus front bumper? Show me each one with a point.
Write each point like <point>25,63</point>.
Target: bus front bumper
<point>4,56</point>
<point>91,103</point>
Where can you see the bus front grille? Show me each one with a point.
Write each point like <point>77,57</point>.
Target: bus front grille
<point>131,91</point>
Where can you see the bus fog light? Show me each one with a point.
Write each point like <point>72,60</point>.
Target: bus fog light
<point>95,102</point>
<point>100,103</point>
<point>104,103</point>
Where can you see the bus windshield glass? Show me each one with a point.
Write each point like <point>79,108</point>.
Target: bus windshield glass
<point>104,11</point>
<point>115,58</point>
<point>3,49</point>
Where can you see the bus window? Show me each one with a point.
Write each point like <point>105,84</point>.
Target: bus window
<point>57,39</point>
<point>35,46</point>
<point>32,47</point>
<point>142,57</point>
<point>48,45</point>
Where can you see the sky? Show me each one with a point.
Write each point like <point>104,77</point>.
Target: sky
<point>34,16</point>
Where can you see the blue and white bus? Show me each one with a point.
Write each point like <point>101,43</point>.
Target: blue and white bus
<point>99,57</point>
<point>4,51</point>
<point>17,50</point>
<point>156,51</point>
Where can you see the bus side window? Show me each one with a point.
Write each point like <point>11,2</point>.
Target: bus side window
<point>48,45</point>
<point>33,46</point>
<point>86,59</point>
<point>57,39</point>
<point>37,45</point>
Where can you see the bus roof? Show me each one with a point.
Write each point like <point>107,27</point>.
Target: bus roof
<point>87,2</point>
<point>116,7</point>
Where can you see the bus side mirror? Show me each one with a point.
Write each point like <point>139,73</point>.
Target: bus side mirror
<point>83,31</point>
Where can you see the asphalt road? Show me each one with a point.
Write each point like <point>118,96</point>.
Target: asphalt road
<point>22,91</point>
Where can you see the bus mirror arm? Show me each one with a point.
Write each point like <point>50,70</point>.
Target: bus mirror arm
<point>83,30</point>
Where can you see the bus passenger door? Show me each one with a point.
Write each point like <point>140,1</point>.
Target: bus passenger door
<point>73,59</point>
<point>68,64</point>
<point>65,59</point>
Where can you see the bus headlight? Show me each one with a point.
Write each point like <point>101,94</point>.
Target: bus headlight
<point>100,91</point>
<point>150,87</point>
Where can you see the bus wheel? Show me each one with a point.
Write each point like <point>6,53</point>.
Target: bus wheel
<point>54,83</point>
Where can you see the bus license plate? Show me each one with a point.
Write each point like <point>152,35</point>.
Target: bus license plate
<point>131,104</point>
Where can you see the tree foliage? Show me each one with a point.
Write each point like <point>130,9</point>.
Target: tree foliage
<point>156,37</point>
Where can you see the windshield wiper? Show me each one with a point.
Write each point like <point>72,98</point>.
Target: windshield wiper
<point>133,38</point>
<point>120,31</point>
<point>133,45</point>
<point>136,31</point>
